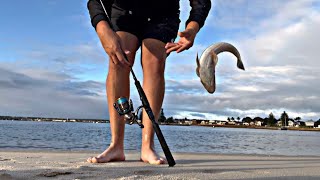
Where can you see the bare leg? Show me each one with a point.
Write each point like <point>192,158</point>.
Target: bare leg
<point>153,63</point>
<point>117,85</point>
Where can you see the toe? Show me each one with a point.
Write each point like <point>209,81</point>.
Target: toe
<point>89,160</point>
<point>92,160</point>
<point>155,162</point>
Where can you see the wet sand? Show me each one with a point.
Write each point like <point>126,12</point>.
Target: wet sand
<point>72,165</point>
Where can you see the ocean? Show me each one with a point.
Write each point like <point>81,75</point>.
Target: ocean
<point>30,135</point>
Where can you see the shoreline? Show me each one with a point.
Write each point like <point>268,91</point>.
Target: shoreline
<point>96,152</point>
<point>72,165</point>
<point>203,125</point>
<point>247,127</point>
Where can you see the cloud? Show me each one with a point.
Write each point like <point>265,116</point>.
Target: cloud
<point>278,43</point>
<point>21,94</point>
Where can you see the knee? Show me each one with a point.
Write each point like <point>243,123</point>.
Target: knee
<point>154,66</point>
<point>154,57</point>
<point>118,68</point>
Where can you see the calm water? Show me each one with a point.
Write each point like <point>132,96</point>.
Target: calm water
<point>87,136</point>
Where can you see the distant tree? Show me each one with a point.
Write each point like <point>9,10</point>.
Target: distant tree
<point>271,120</point>
<point>232,118</point>
<point>169,120</point>
<point>265,121</point>
<point>284,118</point>
<point>238,118</point>
<point>257,119</point>
<point>297,118</point>
<point>317,123</point>
<point>247,119</point>
<point>228,119</point>
<point>162,118</point>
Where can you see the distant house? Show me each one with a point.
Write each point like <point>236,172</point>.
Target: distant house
<point>258,123</point>
<point>212,122</point>
<point>188,122</point>
<point>291,123</point>
<point>279,123</point>
<point>204,122</point>
<point>246,124</point>
<point>221,122</point>
<point>238,123</point>
<point>310,123</point>
<point>299,123</point>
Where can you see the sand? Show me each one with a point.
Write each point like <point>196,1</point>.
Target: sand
<point>72,165</point>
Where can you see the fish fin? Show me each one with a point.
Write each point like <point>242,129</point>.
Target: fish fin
<point>240,64</point>
<point>198,66</point>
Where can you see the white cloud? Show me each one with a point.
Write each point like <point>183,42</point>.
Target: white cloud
<point>278,42</point>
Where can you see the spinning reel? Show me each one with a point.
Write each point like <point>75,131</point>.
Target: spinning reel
<point>125,108</point>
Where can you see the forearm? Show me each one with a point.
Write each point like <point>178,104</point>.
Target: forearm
<point>194,26</point>
<point>97,12</point>
<point>199,11</point>
<point>105,33</point>
<point>102,28</point>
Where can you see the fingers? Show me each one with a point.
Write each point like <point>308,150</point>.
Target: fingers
<point>178,47</point>
<point>122,59</point>
<point>184,43</point>
<point>183,47</point>
<point>172,47</point>
<point>169,45</point>
<point>114,50</point>
<point>119,58</point>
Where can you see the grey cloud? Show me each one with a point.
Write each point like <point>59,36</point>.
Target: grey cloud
<point>198,115</point>
<point>90,88</point>
<point>25,95</point>
<point>277,89</point>
<point>9,79</point>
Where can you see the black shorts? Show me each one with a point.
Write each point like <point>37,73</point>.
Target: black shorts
<point>163,28</point>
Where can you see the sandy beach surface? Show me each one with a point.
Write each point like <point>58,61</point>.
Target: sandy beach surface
<point>72,165</point>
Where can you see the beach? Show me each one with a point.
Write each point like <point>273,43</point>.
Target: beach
<point>21,164</point>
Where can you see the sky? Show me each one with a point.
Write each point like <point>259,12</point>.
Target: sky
<point>52,63</point>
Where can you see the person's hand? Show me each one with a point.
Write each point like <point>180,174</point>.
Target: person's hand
<point>186,39</point>
<point>111,43</point>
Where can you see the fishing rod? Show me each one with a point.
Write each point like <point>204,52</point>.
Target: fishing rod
<point>125,107</point>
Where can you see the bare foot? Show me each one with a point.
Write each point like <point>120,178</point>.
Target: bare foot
<point>150,156</point>
<point>109,155</point>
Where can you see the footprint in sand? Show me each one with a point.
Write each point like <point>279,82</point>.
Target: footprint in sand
<point>5,159</point>
<point>54,174</point>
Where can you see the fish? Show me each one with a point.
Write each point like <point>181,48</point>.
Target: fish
<point>206,65</point>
